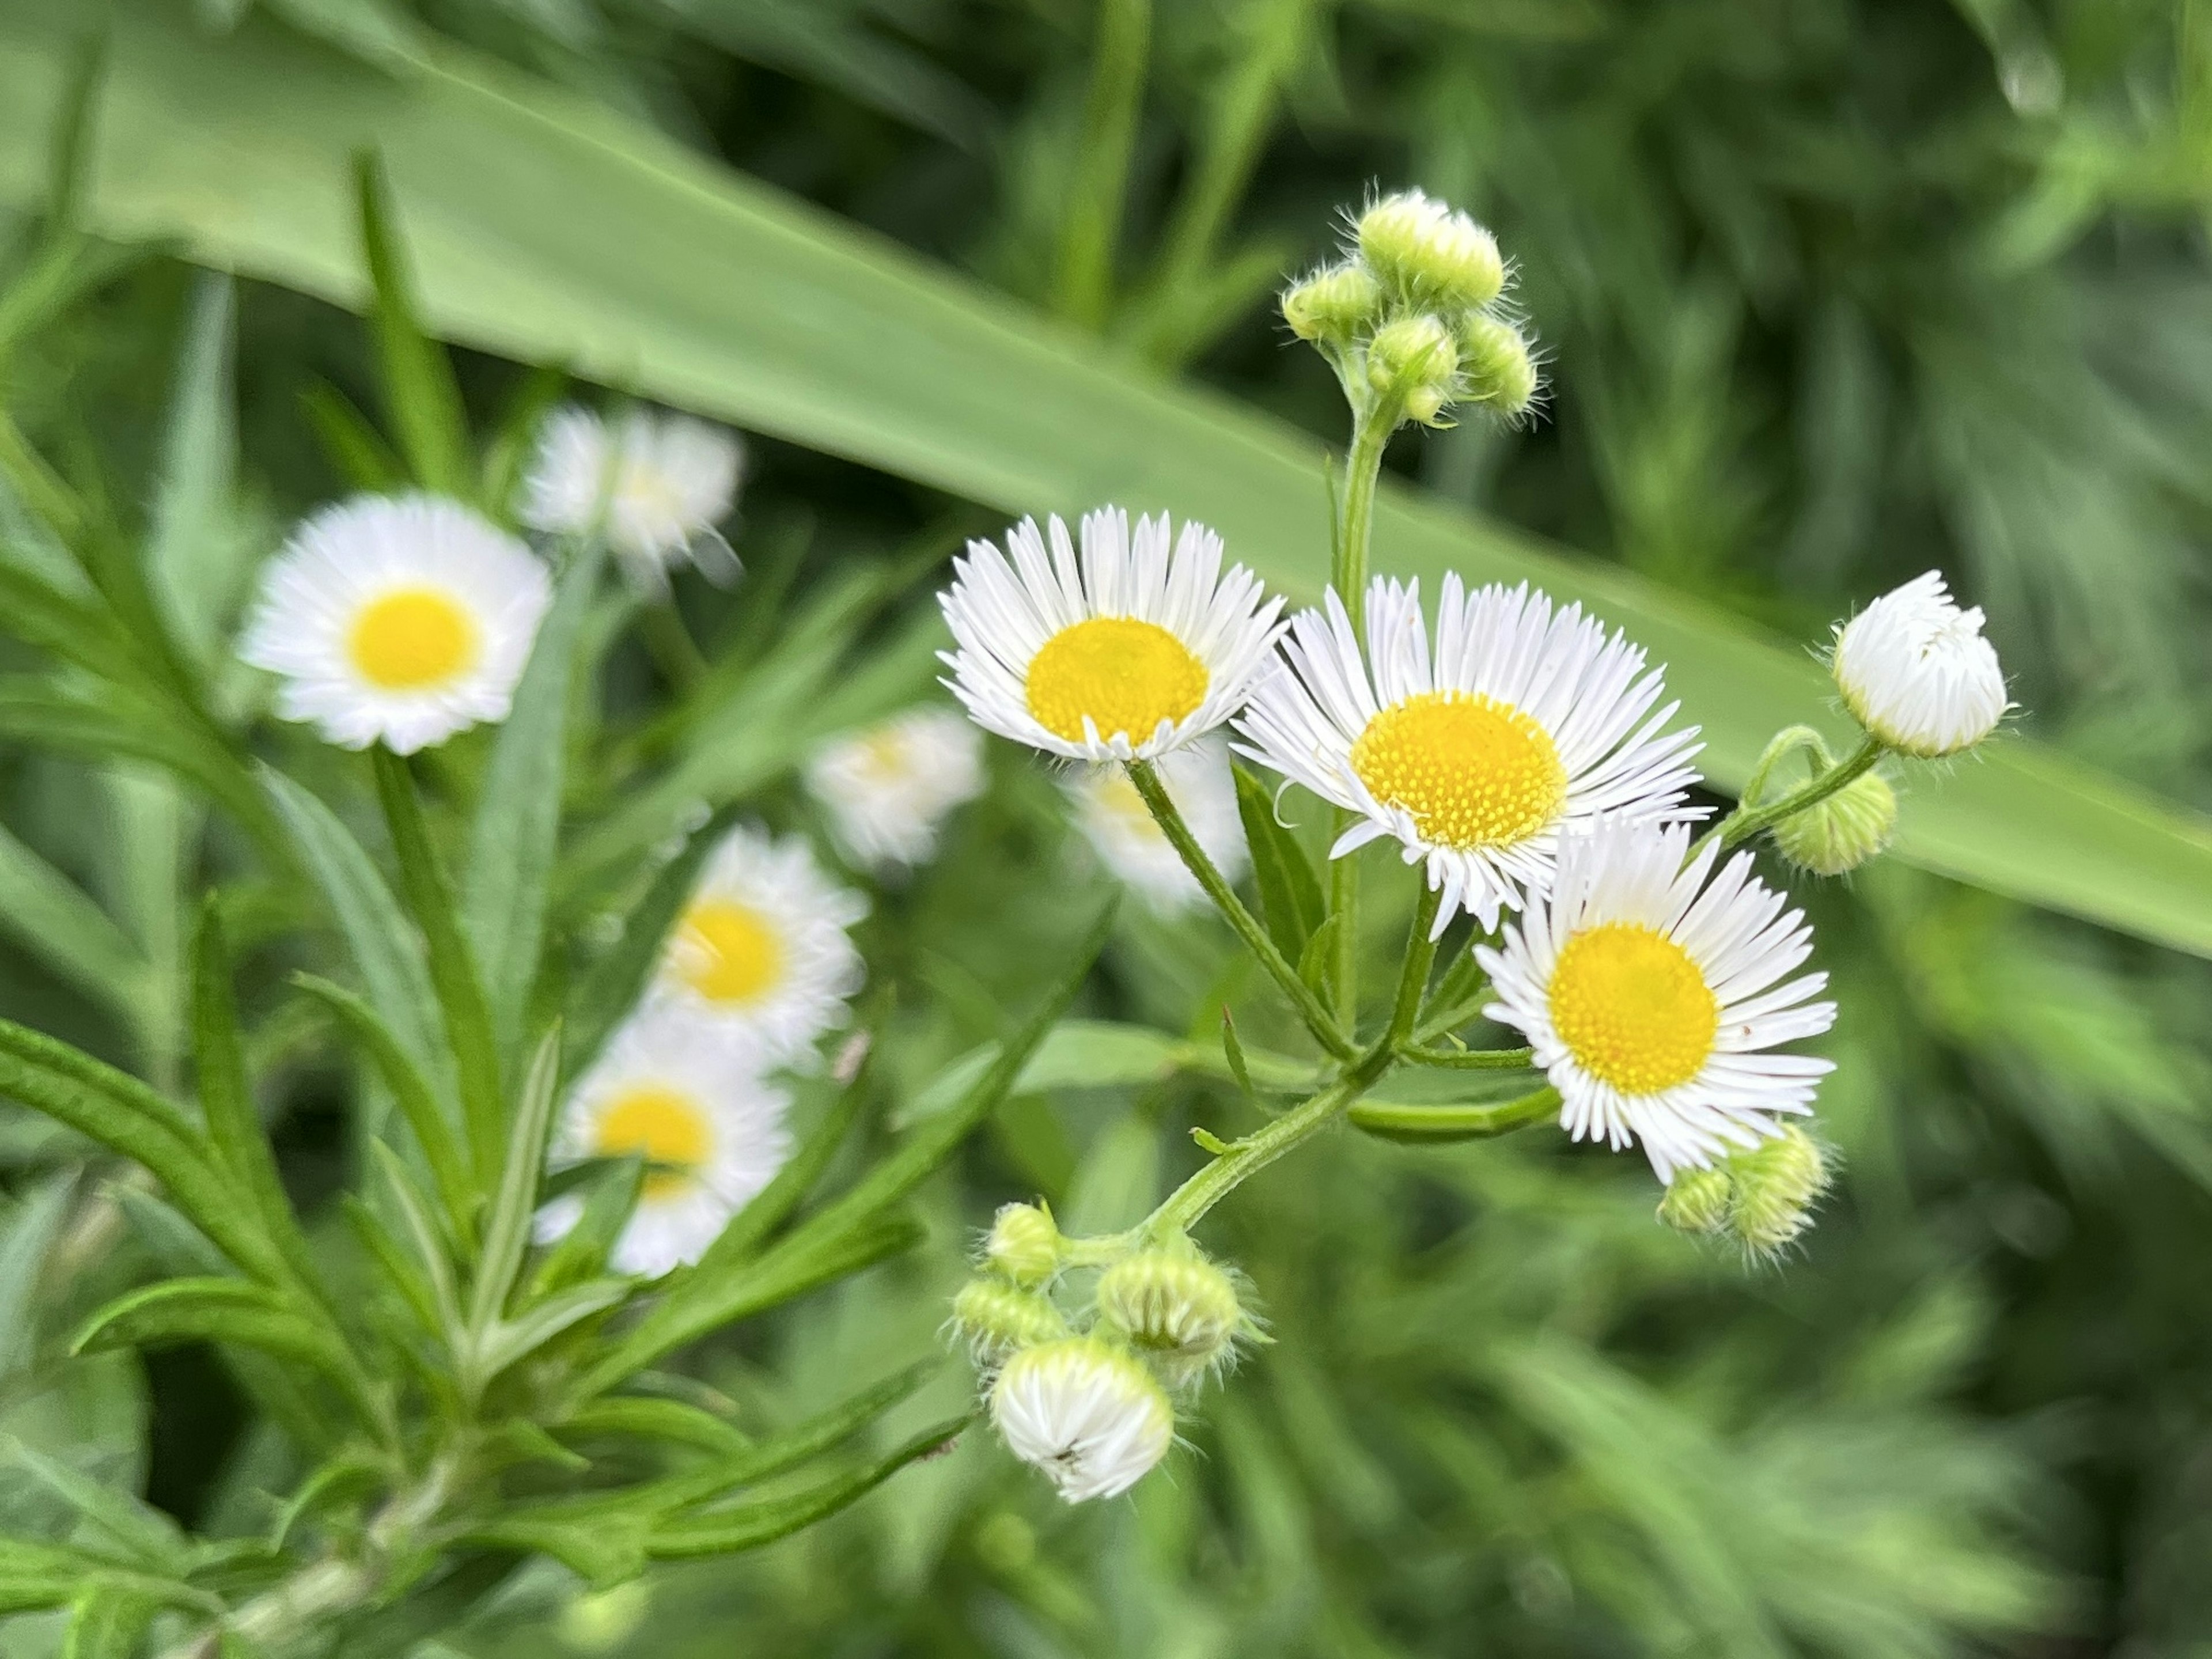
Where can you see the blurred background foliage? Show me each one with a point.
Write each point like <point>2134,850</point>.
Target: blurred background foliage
<point>1833,290</point>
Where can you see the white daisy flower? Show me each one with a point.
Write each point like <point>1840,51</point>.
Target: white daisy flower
<point>1651,996</point>
<point>762,948</point>
<point>1133,651</point>
<point>1090,1416</point>
<point>886,788</point>
<point>1524,725</point>
<point>1114,820</point>
<point>1916,672</point>
<point>397,619</point>
<point>656,484</point>
<point>671,1088</point>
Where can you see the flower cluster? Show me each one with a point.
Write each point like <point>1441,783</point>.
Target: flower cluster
<point>1087,1396</point>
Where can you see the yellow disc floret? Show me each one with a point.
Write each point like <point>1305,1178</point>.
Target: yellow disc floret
<point>1633,1007</point>
<point>412,638</point>
<point>728,952</point>
<point>664,1127</point>
<point>1127,675</point>
<point>1473,771</point>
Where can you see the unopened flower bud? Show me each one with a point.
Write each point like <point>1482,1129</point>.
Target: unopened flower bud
<point>1022,1245</point>
<point>1415,360</point>
<point>1428,254</point>
<point>1175,1308</point>
<point>1090,1415</point>
<point>1697,1201</point>
<point>1333,305</point>
<point>1916,672</point>
<point>1843,831</point>
<point>997,1321</point>
<point>1777,1184</point>
<point>1501,371</point>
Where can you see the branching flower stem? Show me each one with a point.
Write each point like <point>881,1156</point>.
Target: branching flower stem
<point>1750,817</point>
<point>1146,778</point>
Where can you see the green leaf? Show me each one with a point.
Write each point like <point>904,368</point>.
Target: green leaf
<point>385,947</point>
<point>841,343</point>
<point>518,819</point>
<point>1289,891</point>
<point>179,1311</point>
<point>138,1531</point>
<point>196,553</point>
<point>125,1115</point>
<point>418,1103</point>
<point>1390,1121</point>
<point>511,1340</point>
<point>420,395</point>
<point>506,1232</point>
<point>55,920</point>
<point>233,1124</point>
<point>749,1526</point>
<point>432,1252</point>
<point>74,630</point>
<point>350,1470</point>
<point>108,1621</point>
<point>28,1231</point>
<point>640,1417</point>
<point>354,449</point>
<point>1314,962</point>
<point>1077,1054</point>
<point>771,1206</point>
<point>583,1250</point>
<point>453,974</point>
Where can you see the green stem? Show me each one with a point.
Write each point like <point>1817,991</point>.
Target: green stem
<point>1785,743</point>
<point>1372,427</point>
<point>1083,284</point>
<point>669,642</point>
<point>1247,1158</point>
<point>1413,979</point>
<point>1146,779</point>
<point>1468,1060</point>
<point>1393,1122</point>
<point>1746,821</point>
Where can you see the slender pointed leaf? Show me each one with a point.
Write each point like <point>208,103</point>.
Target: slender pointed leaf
<point>55,920</point>
<point>1290,892</point>
<point>506,1231</point>
<point>422,398</point>
<point>179,1310</point>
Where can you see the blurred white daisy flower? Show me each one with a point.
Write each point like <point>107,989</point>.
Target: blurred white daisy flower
<point>657,485</point>
<point>1653,998</point>
<point>762,949</point>
<point>887,787</point>
<point>1114,819</point>
<point>397,619</point>
<point>1527,723</point>
<point>1916,672</point>
<point>1133,650</point>
<point>1090,1415</point>
<point>671,1087</point>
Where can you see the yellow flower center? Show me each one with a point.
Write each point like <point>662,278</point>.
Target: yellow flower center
<point>885,756</point>
<point>728,952</point>
<point>1127,675</point>
<point>1473,771</point>
<point>662,1126</point>
<point>1633,1007</point>
<point>412,638</point>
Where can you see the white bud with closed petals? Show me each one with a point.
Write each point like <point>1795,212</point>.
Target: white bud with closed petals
<point>1088,1414</point>
<point>1916,672</point>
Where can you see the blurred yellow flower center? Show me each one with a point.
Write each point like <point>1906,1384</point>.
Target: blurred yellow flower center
<point>1119,804</point>
<point>1473,771</point>
<point>886,754</point>
<point>1633,1007</point>
<point>412,638</point>
<point>1127,675</point>
<point>661,1127</point>
<point>728,952</point>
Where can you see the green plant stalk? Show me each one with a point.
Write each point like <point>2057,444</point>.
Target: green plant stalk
<point>1326,1032</point>
<point>1245,1158</point>
<point>1084,282</point>
<point>1446,1123</point>
<point>1372,426</point>
<point>1748,821</point>
<point>674,652</point>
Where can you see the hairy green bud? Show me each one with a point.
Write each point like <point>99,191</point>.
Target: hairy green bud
<point>1777,1184</point>
<point>1427,254</point>
<point>1843,831</point>
<point>1697,1201</point>
<point>1174,1307</point>
<point>1415,360</point>
<point>1334,305</point>
<point>1501,373</point>
<point>1022,1246</point>
<point>996,1320</point>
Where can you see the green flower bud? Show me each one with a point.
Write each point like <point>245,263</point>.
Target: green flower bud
<point>997,1322</point>
<point>1334,305</point>
<point>1427,254</point>
<point>1174,1307</point>
<point>1415,360</point>
<point>1843,831</point>
<point>1501,375</point>
<point>1022,1245</point>
<point>1777,1184</point>
<point>600,1622</point>
<point>1697,1201</point>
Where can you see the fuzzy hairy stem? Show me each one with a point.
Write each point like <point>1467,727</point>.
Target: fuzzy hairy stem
<point>1748,821</point>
